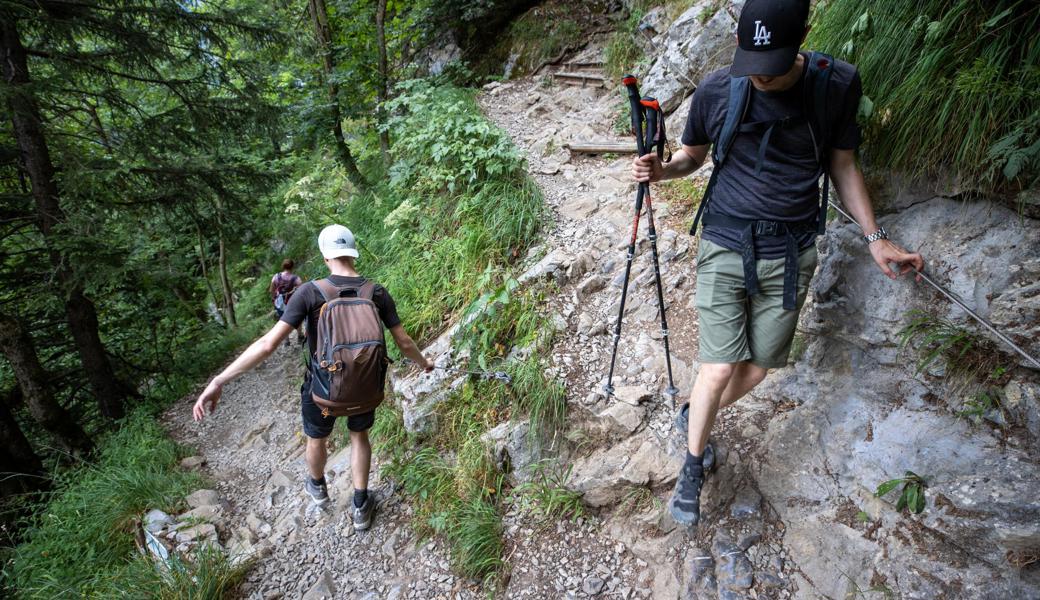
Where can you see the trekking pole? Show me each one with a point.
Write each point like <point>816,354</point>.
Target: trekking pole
<point>654,133</point>
<point>655,139</point>
<point>629,81</point>
<point>956,300</point>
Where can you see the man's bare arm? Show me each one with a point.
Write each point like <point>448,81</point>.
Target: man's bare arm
<point>848,179</point>
<point>253,355</point>
<point>408,347</point>
<point>650,168</point>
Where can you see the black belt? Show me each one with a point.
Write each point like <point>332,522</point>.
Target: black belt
<point>752,229</point>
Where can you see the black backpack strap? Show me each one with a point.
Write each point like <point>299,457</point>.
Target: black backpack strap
<point>739,98</point>
<point>821,66</point>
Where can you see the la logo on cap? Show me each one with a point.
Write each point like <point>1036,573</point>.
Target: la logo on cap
<point>762,35</point>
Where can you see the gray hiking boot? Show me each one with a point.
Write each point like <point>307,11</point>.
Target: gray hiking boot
<point>685,503</point>
<point>363,514</point>
<point>682,424</point>
<point>318,492</point>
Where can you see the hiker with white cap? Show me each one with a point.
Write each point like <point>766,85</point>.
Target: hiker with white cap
<point>777,121</point>
<point>345,314</point>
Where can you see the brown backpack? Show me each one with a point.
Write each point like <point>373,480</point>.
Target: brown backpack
<point>348,368</point>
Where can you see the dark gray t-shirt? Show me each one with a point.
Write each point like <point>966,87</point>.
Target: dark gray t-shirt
<point>787,188</point>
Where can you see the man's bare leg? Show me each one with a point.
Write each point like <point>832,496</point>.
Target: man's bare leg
<point>316,454</point>
<point>745,377</point>
<point>712,381</point>
<point>360,459</point>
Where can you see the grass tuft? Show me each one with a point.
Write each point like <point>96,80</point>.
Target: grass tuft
<point>82,541</point>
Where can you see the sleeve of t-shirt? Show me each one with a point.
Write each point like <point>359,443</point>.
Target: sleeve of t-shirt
<point>298,308</point>
<point>387,307</point>
<point>695,133</point>
<point>847,134</point>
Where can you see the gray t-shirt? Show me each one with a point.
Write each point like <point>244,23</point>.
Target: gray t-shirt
<point>787,188</point>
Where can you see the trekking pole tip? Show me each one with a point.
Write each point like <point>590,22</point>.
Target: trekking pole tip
<point>609,389</point>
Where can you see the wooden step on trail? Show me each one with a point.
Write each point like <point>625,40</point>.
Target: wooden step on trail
<point>601,147</point>
<point>578,78</point>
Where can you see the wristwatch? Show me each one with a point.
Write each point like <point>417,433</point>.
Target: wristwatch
<point>880,234</point>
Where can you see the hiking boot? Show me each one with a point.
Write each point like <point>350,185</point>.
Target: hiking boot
<point>682,424</point>
<point>363,514</point>
<point>317,491</point>
<point>685,503</point>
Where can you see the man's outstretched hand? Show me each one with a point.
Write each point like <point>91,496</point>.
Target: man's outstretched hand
<point>207,402</point>
<point>885,252</point>
<point>647,167</point>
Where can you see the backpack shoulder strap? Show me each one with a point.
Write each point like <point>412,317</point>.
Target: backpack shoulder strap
<point>739,97</point>
<point>821,66</point>
<point>367,290</point>
<point>328,291</point>
<point>736,107</point>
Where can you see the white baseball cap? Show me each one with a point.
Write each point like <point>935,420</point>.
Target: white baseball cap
<point>335,241</point>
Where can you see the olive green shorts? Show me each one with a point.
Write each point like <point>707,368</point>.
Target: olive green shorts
<point>734,327</point>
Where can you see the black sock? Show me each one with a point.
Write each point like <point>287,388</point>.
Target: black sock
<point>318,481</point>
<point>359,497</point>
<point>694,464</point>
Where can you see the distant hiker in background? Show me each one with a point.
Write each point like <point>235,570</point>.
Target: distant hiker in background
<point>282,286</point>
<point>777,121</point>
<point>345,315</point>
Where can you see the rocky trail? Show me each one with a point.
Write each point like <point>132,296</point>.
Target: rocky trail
<point>790,512</point>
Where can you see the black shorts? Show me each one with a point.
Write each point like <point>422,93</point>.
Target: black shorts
<point>318,426</point>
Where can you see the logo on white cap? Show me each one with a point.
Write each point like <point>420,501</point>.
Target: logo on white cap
<point>762,35</point>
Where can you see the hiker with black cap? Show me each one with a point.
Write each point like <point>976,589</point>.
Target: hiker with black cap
<point>776,121</point>
<point>345,315</point>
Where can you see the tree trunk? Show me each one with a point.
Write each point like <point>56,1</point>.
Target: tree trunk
<point>205,270</point>
<point>225,283</point>
<point>22,469</point>
<point>323,36</point>
<point>18,346</point>
<point>80,311</point>
<point>384,76</point>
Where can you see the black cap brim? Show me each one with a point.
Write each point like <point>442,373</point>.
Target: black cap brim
<point>767,63</point>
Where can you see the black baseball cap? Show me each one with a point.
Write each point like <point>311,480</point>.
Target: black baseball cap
<point>768,36</point>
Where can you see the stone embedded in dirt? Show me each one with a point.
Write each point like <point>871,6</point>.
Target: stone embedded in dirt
<point>733,570</point>
<point>747,503</point>
<point>280,479</point>
<point>323,589</point>
<point>259,527</point>
<point>208,512</point>
<point>197,532</point>
<point>193,462</point>
<point>203,498</point>
<point>632,394</point>
<point>156,520</point>
<point>624,417</point>
<point>768,581</point>
<point>700,574</point>
<point>593,586</point>
<point>591,285</point>
<point>340,461</point>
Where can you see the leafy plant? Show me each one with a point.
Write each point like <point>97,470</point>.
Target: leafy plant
<point>547,495</point>
<point>912,495</point>
<point>964,351</point>
<point>959,63</point>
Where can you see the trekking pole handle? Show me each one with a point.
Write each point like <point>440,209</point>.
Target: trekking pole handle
<point>636,106</point>
<point>652,110</point>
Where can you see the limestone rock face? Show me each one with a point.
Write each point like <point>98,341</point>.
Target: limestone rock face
<point>700,41</point>
<point>863,416</point>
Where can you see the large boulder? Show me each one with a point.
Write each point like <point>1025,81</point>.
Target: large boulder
<point>700,41</point>
<point>862,415</point>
